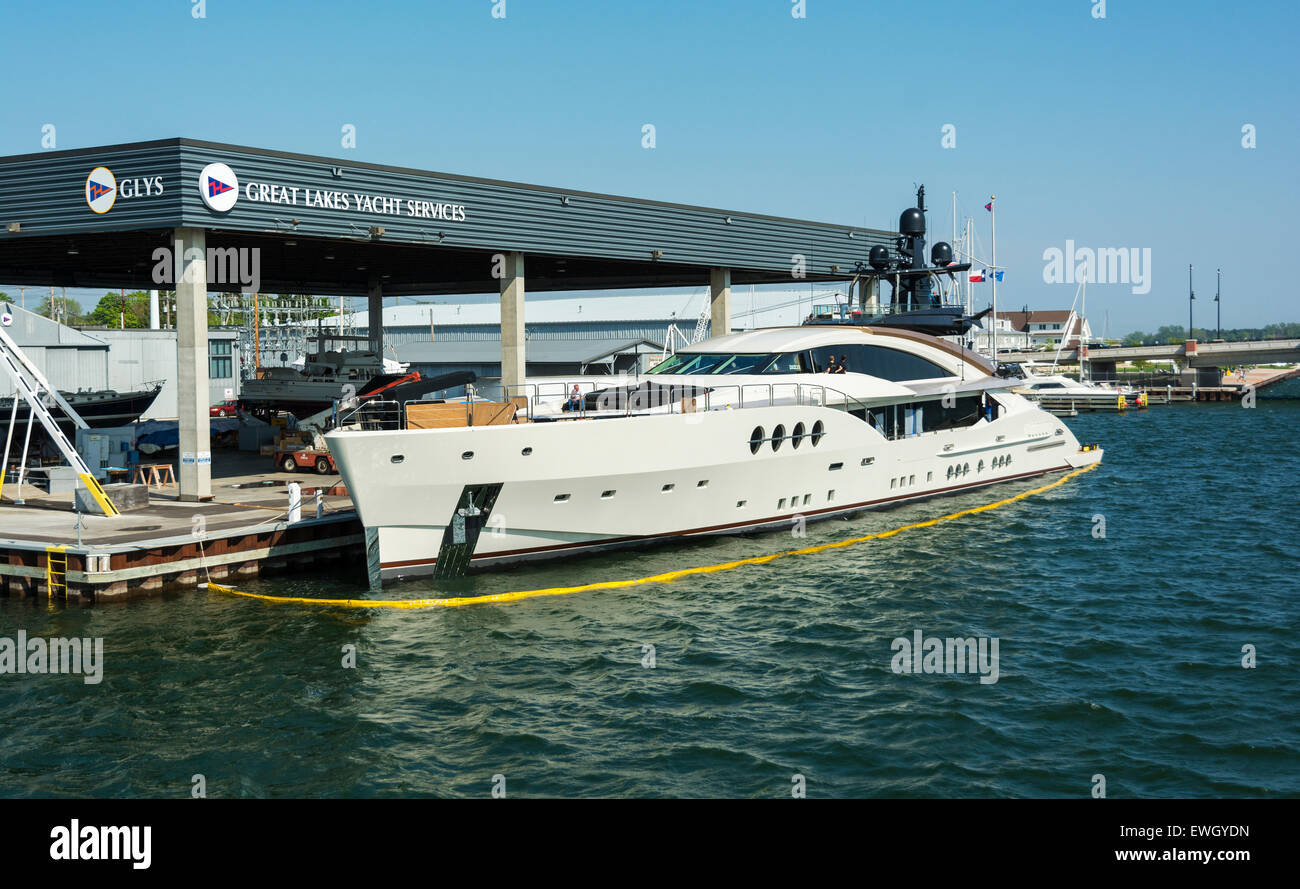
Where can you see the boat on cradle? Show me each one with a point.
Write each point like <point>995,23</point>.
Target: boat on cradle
<point>739,433</point>
<point>325,377</point>
<point>100,409</point>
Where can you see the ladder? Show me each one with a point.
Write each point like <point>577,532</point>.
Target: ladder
<point>56,571</point>
<point>31,384</point>
<point>702,327</point>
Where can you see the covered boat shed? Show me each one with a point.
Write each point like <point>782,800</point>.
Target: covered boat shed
<point>199,217</point>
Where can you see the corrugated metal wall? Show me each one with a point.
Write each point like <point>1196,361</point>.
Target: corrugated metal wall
<point>68,368</point>
<point>138,357</point>
<point>46,192</point>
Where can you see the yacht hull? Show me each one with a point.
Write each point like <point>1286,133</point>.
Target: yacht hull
<point>494,495</point>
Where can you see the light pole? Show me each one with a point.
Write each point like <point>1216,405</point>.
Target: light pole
<point>1218,308</point>
<point>1191,298</point>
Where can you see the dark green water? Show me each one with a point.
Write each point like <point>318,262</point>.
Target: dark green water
<point>1118,656</point>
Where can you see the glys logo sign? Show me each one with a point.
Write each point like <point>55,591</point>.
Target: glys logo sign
<point>219,187</point>
<point>101,189</point>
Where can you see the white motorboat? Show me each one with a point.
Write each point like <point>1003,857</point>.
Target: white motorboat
<point>744,432</point>
<point>1058,390</point>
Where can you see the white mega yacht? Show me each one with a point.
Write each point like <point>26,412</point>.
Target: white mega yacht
<point>737,433</point>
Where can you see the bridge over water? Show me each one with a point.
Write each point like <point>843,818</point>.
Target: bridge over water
<point>1201,354</point>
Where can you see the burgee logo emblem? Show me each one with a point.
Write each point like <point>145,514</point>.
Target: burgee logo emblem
<point>219,187</point>
<point>101,189</point>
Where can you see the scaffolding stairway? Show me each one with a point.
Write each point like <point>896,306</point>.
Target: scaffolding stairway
<point>31,384</point>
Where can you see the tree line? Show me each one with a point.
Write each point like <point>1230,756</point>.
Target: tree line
<point>131,310</point>
<point>1173,334</point>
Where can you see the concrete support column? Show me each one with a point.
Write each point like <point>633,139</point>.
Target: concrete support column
<point>512,325</point>
<point>190,262</point>
<point>375,316</point>
<point>154,320</point>
<point>720,301</point>
<point>869,295</point>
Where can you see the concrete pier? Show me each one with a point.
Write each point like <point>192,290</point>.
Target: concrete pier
<point>720,301</point>
<point>512,324</point>
<point>190,259</point>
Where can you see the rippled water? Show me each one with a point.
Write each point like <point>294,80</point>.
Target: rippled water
<point>1118,656</point>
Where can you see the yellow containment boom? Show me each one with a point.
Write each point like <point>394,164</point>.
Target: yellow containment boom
<point>666,577</point>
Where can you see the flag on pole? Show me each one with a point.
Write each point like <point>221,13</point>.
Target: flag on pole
<point>989,206</point>
<point>997,276</point>
<point>977,277</point>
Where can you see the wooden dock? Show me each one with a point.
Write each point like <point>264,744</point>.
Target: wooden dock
<point>244,532</point>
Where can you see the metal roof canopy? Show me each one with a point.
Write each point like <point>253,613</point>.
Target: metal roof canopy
<point>318,221</point>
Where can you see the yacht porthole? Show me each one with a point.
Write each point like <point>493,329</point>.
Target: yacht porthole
<point>607,495</point>
<point>965,469</point>
<point>756,439</point>
<point>778,436</point>
<point>817,432</point>
<point>796,436</point>
<point>527,452</point>
<point>667,489</point>
<point>467,455</point>
<point>561,498</point>
<point>835,466</point>
<point>397,458</point>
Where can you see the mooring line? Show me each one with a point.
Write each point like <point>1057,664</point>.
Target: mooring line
<point>666,577</point>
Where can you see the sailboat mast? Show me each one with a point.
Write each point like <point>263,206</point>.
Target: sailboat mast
<point>1082,345</point>
<point>993,211</point>
<point>954,222</point>
<point>969,245</point>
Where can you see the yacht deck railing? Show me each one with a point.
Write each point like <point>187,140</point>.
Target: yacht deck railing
<point>387,414</point>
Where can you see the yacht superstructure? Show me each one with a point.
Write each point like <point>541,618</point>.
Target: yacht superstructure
<point>737,433</point>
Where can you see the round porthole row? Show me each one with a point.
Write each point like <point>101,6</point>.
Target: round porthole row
<point>796,436</point>
<point>778,436</point>
<point>756,439</point>
<point>818,431</point>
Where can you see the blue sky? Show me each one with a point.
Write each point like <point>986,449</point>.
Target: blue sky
<point>1117,132</point>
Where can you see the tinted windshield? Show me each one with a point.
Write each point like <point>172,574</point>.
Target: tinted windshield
<point>713,363</point>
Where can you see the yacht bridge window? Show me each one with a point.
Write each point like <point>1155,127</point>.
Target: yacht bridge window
<point>877,361</point>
